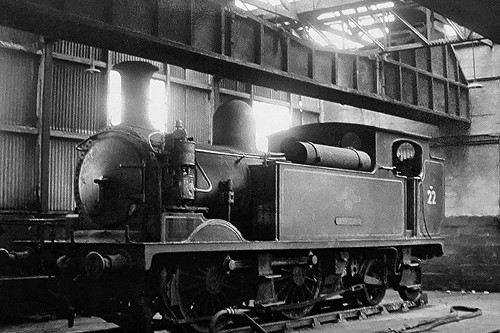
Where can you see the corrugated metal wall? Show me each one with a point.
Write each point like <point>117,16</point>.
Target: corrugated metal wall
<point>63,156</point>
<point>78,109</point>
<point>18,86</point>
<point>271,93</point>
<point>18,80</point>
<point>17,175</point>
<point>192,106</point>
<point>79,50</point>
<point>78,98</point>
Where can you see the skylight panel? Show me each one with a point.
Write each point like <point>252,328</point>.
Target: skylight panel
<point>376,33</point>
<point>389,18</point>
<point>349,11</point>
<point>385,5</point>
<point>366,20</point>
<point>325,16</point>
<point>365,38</point>
<point>317,37</point>
<point>449,31</point>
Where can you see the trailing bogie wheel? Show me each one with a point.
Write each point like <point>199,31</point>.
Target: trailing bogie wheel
<point>408,294</point>
<point>372,272</point>
<point>411,278</point>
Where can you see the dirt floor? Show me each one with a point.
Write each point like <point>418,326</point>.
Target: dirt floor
<point>439,305</point>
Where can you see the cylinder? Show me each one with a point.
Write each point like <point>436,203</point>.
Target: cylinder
<point>329,156</point>
<point>135,81</point>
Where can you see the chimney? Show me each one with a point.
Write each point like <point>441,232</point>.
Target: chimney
<point>135,79</point>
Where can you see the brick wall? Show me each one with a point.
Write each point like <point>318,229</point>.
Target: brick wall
<point>471,259</point>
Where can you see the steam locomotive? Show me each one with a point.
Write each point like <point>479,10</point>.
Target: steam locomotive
<point>168,226</point>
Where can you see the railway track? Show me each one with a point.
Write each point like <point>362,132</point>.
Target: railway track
<point>325,316</point>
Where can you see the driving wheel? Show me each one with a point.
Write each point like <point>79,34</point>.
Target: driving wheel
<point>297,284</point>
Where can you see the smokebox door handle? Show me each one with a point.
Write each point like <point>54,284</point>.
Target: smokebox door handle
<point>101,181</point>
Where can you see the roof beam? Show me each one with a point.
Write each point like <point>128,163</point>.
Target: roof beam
<point>411,27</point>
<point>314,14</point>
<point>480,16</point>
<point>354,38</point>
<point>373,39</point>
<point>296,66</point>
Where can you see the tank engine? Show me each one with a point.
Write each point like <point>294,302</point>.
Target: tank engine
<point>165,225</point>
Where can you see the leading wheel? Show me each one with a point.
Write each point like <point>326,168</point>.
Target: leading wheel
<point>372,273</point>
<point>297,284</point>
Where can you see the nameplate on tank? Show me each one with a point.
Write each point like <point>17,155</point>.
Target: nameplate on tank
<point>348,221</point>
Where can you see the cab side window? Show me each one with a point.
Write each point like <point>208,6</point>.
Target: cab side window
<point>407,158</point>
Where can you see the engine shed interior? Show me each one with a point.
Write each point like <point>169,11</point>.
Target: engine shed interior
<point>269,143</point>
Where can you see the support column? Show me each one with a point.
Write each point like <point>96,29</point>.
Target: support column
<point>44,113</point>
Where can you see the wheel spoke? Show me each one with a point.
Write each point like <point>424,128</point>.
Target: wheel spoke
<point>291,292</point>
<point>282,288</point>
<point>309,290</point>
<point>228,286</point>
<point>303,294</point>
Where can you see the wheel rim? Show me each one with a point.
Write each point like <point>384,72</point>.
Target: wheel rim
<point>297,284</point>
<point>372,272</point>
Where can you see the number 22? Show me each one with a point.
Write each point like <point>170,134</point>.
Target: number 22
<point>431,196</point>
